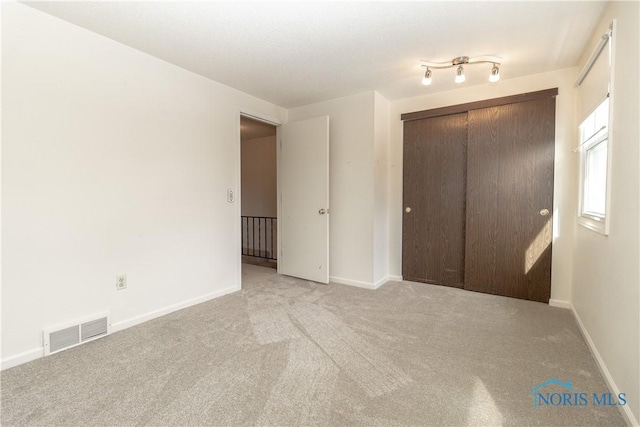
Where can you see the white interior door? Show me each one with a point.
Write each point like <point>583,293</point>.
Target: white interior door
<point>304,191</point>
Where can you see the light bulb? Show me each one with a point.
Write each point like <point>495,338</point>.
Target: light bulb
<point>460,74</point>
<point>495,74</point>
<point>426,80</point>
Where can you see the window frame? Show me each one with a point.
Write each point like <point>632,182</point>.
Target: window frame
<point>589,220</point>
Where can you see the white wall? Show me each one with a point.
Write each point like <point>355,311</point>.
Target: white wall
<point>381,189</point>
<point>259,177</point>
<point>351,193</point>
<point>565,163</point>
<point>358,177</point>
<point>606,282</point>
<point>114,162</point>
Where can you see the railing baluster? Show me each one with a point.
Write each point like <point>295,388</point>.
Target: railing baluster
<point>259,239</point>
<point>246,236</point>
<point>257,243</point>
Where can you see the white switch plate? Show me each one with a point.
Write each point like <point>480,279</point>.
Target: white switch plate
<point>121,282</point>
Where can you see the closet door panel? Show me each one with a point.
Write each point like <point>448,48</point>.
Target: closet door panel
<point>434,200</point>
<point>509,192</point>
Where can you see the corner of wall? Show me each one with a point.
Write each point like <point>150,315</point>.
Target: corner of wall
<point>381,148</point>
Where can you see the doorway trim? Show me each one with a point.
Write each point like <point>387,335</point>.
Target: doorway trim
<point>277,123</point>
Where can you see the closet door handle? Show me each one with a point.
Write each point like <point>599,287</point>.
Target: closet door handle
<point>544,212</point>
<point>407,209</point>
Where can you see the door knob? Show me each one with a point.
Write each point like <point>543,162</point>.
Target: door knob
<point>544,212</point>
<point>407,209</point>
<point>322,211</point>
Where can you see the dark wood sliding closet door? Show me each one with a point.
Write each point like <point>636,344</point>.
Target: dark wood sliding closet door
<point>434,200</point>
<point>478,195</point>
<point>510,199</point>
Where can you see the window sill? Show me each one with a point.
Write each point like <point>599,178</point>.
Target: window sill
<point>593,224</point>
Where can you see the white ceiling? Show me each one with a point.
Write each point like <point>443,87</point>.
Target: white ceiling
<point>296,53</point>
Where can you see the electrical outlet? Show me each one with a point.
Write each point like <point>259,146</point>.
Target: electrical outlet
<point>121,282</point>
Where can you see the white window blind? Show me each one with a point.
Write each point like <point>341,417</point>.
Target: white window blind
<point>595,77</point>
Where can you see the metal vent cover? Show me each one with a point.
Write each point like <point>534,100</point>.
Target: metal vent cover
<point>64,338</point>
<point>70,335</point>
<point>94,328</point>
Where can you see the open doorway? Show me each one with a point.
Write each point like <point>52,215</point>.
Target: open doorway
<point>258,180</point>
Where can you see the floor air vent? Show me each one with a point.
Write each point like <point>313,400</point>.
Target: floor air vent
<point>71,335</point>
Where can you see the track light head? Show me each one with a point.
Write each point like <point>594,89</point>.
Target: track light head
<point>460,74</point>
<point>426,80</point>
<point>495,74</point>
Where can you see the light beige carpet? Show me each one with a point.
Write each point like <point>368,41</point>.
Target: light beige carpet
<point>260,262</point>
<point>285,351</point>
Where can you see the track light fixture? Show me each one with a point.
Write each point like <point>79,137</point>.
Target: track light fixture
<point>460,74</point>
<point>495,74</point>
<point>459,64</point>
<point>426,80</point>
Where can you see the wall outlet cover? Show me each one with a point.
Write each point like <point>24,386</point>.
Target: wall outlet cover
<point>121,282</point>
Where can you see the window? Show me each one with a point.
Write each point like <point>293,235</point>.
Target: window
<point>595,91</point>
<point>594,147</point>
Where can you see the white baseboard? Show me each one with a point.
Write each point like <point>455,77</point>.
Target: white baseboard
<point>349,282</point>
<point>365,285</point>
<point>20,358</point>
<point>124,324</point>
<point>388,279</point>
<point>381,282</point>
<point>37,353</point>
<point>560,303</point>
<point>613,387</point>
